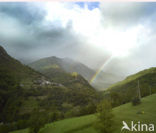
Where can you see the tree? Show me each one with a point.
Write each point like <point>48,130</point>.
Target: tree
<point>104,122</point>
<point>37,121</point>
<point>136,101</point>
<point>4,128</point>
<point>74,74</point>
<point>116,99</point>
<point>10,93</point>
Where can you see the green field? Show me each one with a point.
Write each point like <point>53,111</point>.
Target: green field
<point>125,112</point>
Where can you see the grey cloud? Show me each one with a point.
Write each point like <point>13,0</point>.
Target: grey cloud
<point>27,36</point>
<point>25,12</point>
<point>128,13</point>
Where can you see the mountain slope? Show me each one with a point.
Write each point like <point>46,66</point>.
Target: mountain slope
<point>53,66</point>
<point>25,92</point>
<point>84,124</point>
<point>27,77</point>
<point>127,89</point>
<point>64,64</point>
<point>24,74</point>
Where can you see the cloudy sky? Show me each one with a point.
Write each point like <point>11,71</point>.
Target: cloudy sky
<point>118,36</point>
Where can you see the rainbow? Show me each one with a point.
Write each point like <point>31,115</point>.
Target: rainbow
<point>108,60</point>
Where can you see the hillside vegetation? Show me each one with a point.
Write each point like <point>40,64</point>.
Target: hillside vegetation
<point>135,77</point>
<point>23,74</point>
<point>25,92</point>
<point>127,89</point>
<point>26,95</point>
<point>126,112</point>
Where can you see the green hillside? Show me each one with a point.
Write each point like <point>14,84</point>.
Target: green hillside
<point>55,67</point>
<point>125,112</point>
<point>136,76</point>
<point>62,65</point>
<point>24,74</point>
<point>127,89</point>
<point>25,92</point>
<point>17,83</point>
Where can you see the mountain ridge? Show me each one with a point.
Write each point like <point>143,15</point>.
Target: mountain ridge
<point>24,91</point>
<point>103,80</point>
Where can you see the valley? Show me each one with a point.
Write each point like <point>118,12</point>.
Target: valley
<point>77,67</point>
<point>56,95</point>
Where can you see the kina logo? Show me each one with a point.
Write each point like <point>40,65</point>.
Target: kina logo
<point>137,127</point>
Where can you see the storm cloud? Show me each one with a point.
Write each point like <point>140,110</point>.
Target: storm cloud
<point>88,32</point>
<point>27,35</point>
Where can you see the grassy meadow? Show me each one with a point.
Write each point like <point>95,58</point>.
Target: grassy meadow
<point>84,124</point>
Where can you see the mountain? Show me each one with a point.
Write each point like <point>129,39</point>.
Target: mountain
<point>25,92</point>
<point>126,90</point>
<point>52,66</point>
<point>63,64</point>
<point>24,74</point>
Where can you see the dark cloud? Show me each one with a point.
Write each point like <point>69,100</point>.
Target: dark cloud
<point>25,12</point>
<point>28,36</point>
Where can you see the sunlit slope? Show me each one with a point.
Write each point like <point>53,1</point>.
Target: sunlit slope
<point>148,75</point>
<point>127,89</point>
<point>55,67</point>
<point>125,112</point>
